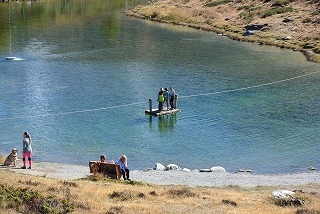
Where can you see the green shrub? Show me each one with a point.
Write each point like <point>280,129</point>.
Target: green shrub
<point>274,11</point>
<point>280,3</point>
<point>32,201</point>
<point>217,2</point>
<point>183,193</point>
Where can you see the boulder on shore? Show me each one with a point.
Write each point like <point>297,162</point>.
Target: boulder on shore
<point>282,194</point>
<point>159,167</point>
<point>173,167</point>
<point>218,169</point>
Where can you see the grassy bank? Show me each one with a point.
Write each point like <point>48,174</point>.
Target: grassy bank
<point>292,24</point>
<point>32,194</point>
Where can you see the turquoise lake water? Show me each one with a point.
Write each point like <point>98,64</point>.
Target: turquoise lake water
<point>88,71</point>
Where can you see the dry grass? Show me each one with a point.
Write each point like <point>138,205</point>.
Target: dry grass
<point>230,17</point>
<point>101,195</point>
<point>107,196</point>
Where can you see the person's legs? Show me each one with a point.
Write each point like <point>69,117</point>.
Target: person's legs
<point>123,174</point>
<point>127,172</point>
<point>29,159</point>
<point>24,155</point>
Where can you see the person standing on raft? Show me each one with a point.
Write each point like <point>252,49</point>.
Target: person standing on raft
<point>172,95</point>
<point>166,97</point>
<point>160,100</point>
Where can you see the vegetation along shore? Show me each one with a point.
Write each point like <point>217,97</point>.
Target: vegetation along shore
<point>292,24</point>
<point>64,188</point>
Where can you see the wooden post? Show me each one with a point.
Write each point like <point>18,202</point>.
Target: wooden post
<point>150,105</point>
<point>175,101</point>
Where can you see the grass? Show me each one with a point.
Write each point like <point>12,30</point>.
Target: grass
<point>274,11</point>
<point>109,196</point>
<point>217,2</point>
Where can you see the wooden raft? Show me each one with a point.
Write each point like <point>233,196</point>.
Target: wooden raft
<point>110,170</point>
<point>156,112</point>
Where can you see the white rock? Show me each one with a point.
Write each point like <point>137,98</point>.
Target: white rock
<point>159,167</point>
<point>186,170</point>
<point>217,169</point>
<point>173,167</point>
<point>282,194</point>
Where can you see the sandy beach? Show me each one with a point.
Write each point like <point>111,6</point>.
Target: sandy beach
<point>192,179</point>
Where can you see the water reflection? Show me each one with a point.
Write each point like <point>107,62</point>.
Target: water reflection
<point>30,18</point>
<point>165,122</point>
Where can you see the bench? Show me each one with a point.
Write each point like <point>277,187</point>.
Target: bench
<point>110,170</point>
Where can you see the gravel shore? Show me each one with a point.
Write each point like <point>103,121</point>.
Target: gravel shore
<point>193,178</point>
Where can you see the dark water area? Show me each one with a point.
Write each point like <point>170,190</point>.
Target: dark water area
<point>87,72</point>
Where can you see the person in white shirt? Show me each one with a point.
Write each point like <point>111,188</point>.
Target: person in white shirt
<point>124,167</point>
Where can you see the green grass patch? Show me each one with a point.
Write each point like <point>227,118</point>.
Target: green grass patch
<point>101,178</point>
<point>181,193</point>
<point>280,3</point>
<point>216,3</point>
<point>275,11</point>
<point>31,201</point>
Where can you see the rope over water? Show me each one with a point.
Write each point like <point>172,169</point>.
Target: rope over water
<point>138,103</point>
<point>250,87</point>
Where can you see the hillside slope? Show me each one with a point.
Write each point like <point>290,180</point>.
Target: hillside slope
<point>293,24</point>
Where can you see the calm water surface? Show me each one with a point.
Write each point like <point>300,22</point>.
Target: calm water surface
<point>87,73</point>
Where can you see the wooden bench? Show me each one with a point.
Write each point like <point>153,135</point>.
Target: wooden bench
<point>110,170</point>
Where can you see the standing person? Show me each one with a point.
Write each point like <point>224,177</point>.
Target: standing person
<point>160,100</point>
<point>26,150</point>
<point>166,97</point>
<point>124,167</point>
<point>172,95</point>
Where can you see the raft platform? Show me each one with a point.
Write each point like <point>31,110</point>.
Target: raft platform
<point>155,112</point>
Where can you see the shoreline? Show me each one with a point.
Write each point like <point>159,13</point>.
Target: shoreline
<point>224,24</point>
<point>177,178</point>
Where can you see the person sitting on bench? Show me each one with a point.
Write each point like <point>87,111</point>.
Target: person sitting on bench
<point>103,159</point>
<point>124,167</point>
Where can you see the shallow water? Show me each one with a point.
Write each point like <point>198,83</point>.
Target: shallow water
<point>88,72</point>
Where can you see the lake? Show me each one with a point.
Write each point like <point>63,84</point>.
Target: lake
<point>88,71</point>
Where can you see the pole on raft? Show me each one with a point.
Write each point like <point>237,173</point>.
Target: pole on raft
<point>150,105</point>
<point>175,101</point>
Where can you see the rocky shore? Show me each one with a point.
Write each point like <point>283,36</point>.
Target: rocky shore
<point>288,24</point>
<point>193,178</point>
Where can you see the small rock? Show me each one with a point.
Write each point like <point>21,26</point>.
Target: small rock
<point>186,170</point>
<point>288,19</point>
<point>308,46</point>
<point>245,170</point>
<point>205,170</point>
<point>312,168</point>
<point>282,194</point>
<point>253,27</point>
<point>173,167</point>
<point>287,38</point>
<point>297,202</point>
<point>248,33</point>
